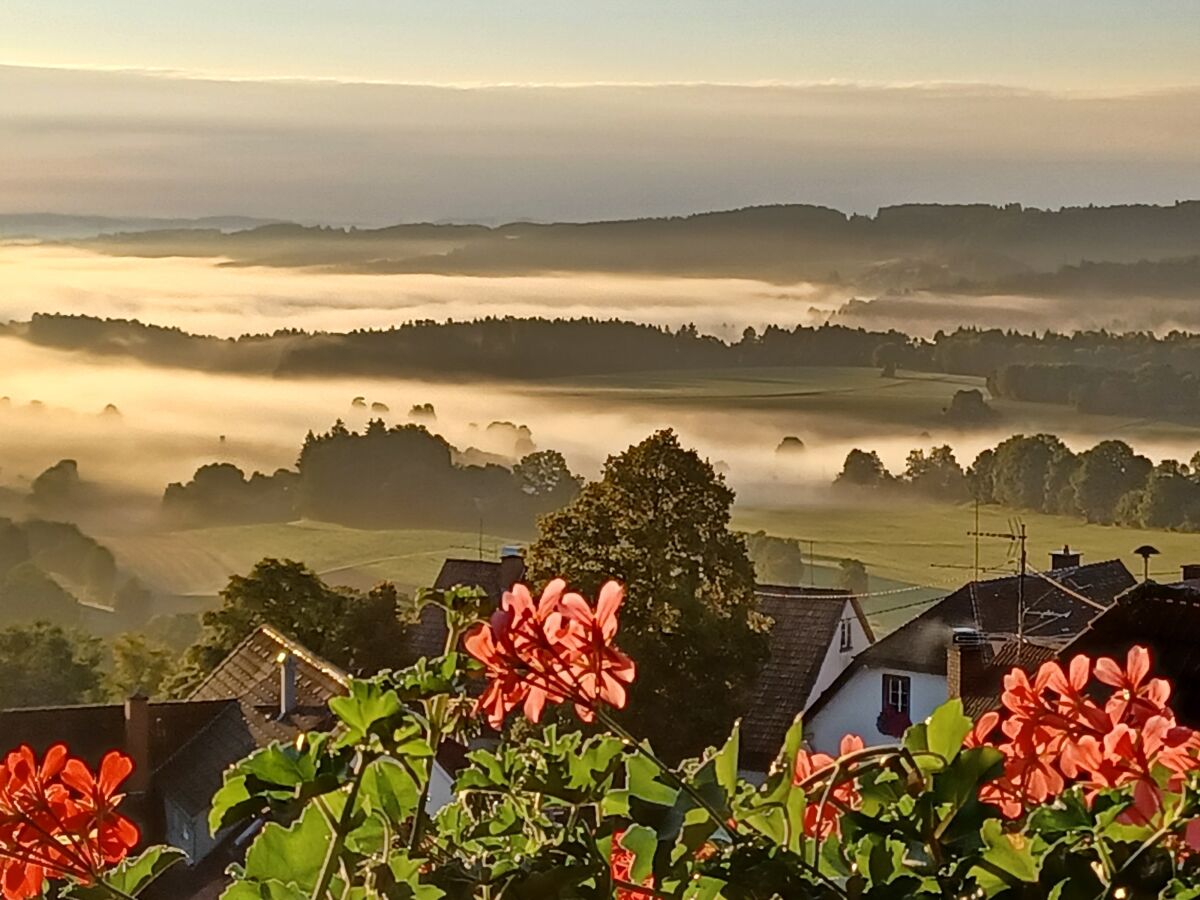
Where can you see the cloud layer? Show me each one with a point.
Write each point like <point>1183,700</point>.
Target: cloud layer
<point>138,144</point>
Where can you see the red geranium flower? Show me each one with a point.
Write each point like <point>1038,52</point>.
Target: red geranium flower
<point>620,864</point>
<point>815,768</point>
<point>553,651</point>
<point>58,820</point>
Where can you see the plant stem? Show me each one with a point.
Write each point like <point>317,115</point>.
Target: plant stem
<point>719,819</point>
<point>334,852</point>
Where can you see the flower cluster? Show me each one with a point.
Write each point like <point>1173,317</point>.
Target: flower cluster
<point>1056,735</point>
<point>821,818</point>
<point>556,650</point>
<point>59,820</point>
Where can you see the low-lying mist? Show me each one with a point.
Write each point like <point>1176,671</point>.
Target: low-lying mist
<point>169,422</point>
<point>204,297</point>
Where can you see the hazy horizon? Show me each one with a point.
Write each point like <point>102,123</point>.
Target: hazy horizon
<point>121,143</point>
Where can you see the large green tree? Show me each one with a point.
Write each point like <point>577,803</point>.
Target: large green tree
<point>358,631</point>
<point>44,665</point>
<point>658,521</point>
<point>1105,474</point>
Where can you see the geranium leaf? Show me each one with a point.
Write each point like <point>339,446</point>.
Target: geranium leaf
<point>132,876</point>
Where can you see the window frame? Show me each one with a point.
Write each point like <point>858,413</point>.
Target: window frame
<point>901,686</point>
<point>845,636</point>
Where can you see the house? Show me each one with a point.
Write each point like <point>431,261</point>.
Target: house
<point>902,678</point>
<point>816,633</point>
<point>268,689</point>
<point>427,637</point>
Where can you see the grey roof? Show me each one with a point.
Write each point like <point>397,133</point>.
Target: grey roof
<point>806,624</point>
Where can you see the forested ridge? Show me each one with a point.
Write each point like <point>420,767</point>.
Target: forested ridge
<point>1097,371</point>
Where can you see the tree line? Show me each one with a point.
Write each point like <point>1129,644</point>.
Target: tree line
<point>1076,368</point>
<point>1108,483</point>
<point>402,476</point>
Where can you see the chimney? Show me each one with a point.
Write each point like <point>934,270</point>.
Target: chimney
<point>512,567</point>
<point>287,684</point>
<point>967,658</point>
<point>1191,571</point>
<point>137,742</point>
<point>1065,558</point>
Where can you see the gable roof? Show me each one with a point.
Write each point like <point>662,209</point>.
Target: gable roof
<point>247,683</point>
<point>1053,616</point>
<point>480,573</point>
<point>427,636</point>
<point>1164,618</point>
<point>806,625</point>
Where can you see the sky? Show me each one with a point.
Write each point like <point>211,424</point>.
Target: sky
<point>374,111</point>
<point>1107,45</point>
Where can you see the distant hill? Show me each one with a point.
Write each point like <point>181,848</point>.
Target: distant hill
<point>909,246</point>
<point>54,226</point>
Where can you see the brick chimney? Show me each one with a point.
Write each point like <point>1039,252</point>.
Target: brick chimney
<point>1066,558</point>
<point>967,657</point>
<point>512,567</point>
<point>287,684</point>
<point>137,742</point>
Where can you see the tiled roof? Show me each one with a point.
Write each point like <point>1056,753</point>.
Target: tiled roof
<point>1051,614</point>
<point>806,624</point>
<point>1165,618</point>
<point>983,693</point>
<point>1053,618</point>
<point>248,681</point>
<point>427,637</point>
<point>470,573</point>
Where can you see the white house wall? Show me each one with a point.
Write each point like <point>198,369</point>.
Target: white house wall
<point>855,708</point>
<point>836,660</point>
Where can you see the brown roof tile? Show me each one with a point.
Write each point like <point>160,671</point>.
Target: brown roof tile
<point>806,624</point>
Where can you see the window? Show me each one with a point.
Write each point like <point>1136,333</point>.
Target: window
<point>897,694</point>
<point>846,637</point>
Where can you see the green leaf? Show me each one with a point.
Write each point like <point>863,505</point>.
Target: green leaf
<point>642,842</point>
<point>946,728</point>
<point>232,802</point>
<point>388,788</point>
<point>132,876</point>
<point>1010,853</point>
<point>365,709</point>
<point>292,856</point>
<point>725,761</point>
<point>703,888</point>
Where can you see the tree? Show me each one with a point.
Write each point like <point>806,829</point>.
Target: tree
<point>887,357</point>
<point>852,575</point>
<point>937,475</point>
<point>1032,472</point>
<point>44,665</point>
<point>1105,474</point>
<point>658,521</point>
<point>139,665</point>
<point>546,474</point>
<point>863,469</point>
<point>776,560</point>
<point>27,593</point>
<point>361,633</point>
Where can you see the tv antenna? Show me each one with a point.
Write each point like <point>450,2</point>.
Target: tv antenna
<point>1017,540</point>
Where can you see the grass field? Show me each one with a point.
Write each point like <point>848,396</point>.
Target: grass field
<point>911,401</point>
<point>918,542</point>
<point>199,562</point>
